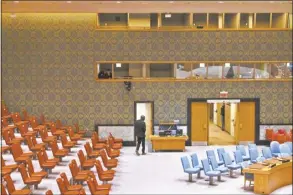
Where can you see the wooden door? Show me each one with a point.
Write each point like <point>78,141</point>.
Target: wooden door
<point>245,122</point>
<point>149,119</point>
<point>219,116</point>
<point>228,118</point>
<point>199,123</point>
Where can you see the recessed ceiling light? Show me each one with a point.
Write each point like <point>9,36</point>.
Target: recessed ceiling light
<point>15,1</point>
<point>272,2</point>
<point>68,1</point>
<point>201,65</point>
<point>171,1</point>
<point>220,1</point>
<point>168,15</point>
<point>118,1</point>
<point>227,65</point>
<point>118,65</point>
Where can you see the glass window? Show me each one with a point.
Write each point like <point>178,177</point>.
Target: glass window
<point>183,70</point>
<point>104,71</point>
<point>244,20</point>
<point>136,70</point>
<point>213,20</point>
<point>199,71</point>
<point>246,71</point>
<point>262,71</point>
<point>230,20</point>
<point>215,71</point>
<point>159,70</point>
<point>121,70</point>
<point>113,19</point>
<point>173,19</point>
<point>230,71</point>
<point>281,70</point>
<point>200,20</point>
<point>262,20</point>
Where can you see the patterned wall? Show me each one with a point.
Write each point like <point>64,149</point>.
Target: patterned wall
<point>48,67</point>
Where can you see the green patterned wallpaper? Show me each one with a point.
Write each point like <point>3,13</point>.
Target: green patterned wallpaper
<point>48,67</point>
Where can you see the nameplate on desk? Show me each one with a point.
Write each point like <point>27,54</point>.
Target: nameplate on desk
<point>256,166</point>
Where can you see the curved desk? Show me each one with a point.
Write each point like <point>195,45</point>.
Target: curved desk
<point>267,180</point>
<point>168,142</point>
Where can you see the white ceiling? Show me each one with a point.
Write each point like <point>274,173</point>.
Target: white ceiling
<point>146,6</point>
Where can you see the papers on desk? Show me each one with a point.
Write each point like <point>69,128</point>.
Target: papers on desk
<point>256,166</point>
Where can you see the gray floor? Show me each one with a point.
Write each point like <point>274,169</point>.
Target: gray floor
<point>155,173</point>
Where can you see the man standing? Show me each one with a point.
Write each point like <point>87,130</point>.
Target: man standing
<point>223,116</point>
<point>139,129</point>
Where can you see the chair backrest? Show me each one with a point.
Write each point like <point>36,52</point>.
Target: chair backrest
<point>210,153</point>
<point>49,192</point>
<point>54,146</point>
<point>92,175</point>
<point>4,110</point>
<point>253,153</point>
<point>30,167</point>
<point>3,191</point>
<point>16,117</point>
<point>41,158</point>
<point>16,150</point>
<point>73,169</point>
<point>34,140</point>
<point>238,156</point>
<point>266,152</point>
<point>2,161</point>
<point>260,159</point>
<point>23,172</point>
<point>43,134</point>
<point>205,165</point>
<point>81,156</point>
<point>4,122</point>
<point>58,124</point>
<point>95,136</point>
<point>104,156</point>
<point>227,159</point>
<point>9,184</point>
<point>213,162</point>
<point>284,148</point>
<point>64,139</point>
<point>53,127</point>
<point>29,142</point>
<point>42,119</point>
<point>90,183</point>
<point>25,115</point>
<point>76,127</point>
<point>70,132</point>
<point>289,144</point>
<point>65,180</point>
<point>99,167</point>
<point>45,155</point>
<point>250,146</point>
<point>88,148</point>
<point>6,136</point>
<point>61,185</point>
<point>33,122</point>
<point>11,133</point>
<point>185,162</point>
<point>275,147</point>
<point>242,149</point>
<point>23,128</point>
<point>220,151</point>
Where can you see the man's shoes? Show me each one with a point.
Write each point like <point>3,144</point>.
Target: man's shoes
<point>137,153</point>
<point>143,153</point>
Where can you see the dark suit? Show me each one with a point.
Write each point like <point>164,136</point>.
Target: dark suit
<point>223,117</point>
<point>139,129</point>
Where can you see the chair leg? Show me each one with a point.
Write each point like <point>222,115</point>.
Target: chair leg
<point>244,184</point>
<point>198,174</point>
<point>219,178</point>
<point>211,180</point>
<point>105,182</point>
<point>36,186</point>
<point>231,173</point>
<point>190,177</point>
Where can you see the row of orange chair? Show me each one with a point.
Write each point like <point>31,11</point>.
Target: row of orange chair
<point>280,136</point>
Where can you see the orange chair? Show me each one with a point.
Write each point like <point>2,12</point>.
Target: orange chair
<point>11,166</point>
<point>78,131</point>
<point>116,140</point>
<point>67,144</point>
<point>90,152</point>
<point>56,132</point>
<point>11,188</point>
<point>17,119</point>
<point>45,164</point>
<point>49,192</point>
<point>33,145</point>
<point>63,190</point>
<point>269,134</point>
<point>62,127</point>
<point>112,153</point>
<point>58,153</point>
<point>108,163</point>
<point>93,190</point>
<point>44,122</point>
<point>115,146</point>
<point>102,141</point>
<point>57,160</point>
<point>100,186</point>
<point>32,172</point>
<point>45,138</point>
<point>18,154</point>
<point>25,115</point>
<point>5,112</point>
<point>5,171</point>
<point>85,164</point>
<point>36,126</point>
<point>100,169</point>
<point>67,184</point>
<point>29,180</point>
<point>5,149</point>
<point>23,129</point>
<point>10,138</point>
<point>4,123</point>
<point>73,136</point>
<point>95,142</point>
<point>78,175</point>
<point>103,176</point>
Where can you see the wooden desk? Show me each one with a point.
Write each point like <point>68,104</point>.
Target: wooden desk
<point>168,143</point>
<point>267,180</point>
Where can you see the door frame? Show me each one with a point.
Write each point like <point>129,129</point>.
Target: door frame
<point>257,115</point>
<point>153,112</point>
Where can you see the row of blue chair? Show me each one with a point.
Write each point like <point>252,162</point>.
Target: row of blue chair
<point>278,149</point>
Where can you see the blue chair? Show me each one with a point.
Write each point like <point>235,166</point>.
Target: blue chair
<point>220,151</point>
<point>239,160</point>
<point>289,144</point>
<point>229,164</point>
<point>260,159</point>
<point>243,152</point>
<point>247,176</point>
<point>195,162</point>
<point>253,153</point>
<point>266,152</point>
<point>250,146</point>
<point>212,153</point>
<point>285,150</point>
<point>208,172</point>
<point>215,166</point>
<point>187,168</point>
<point>275,148</point>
